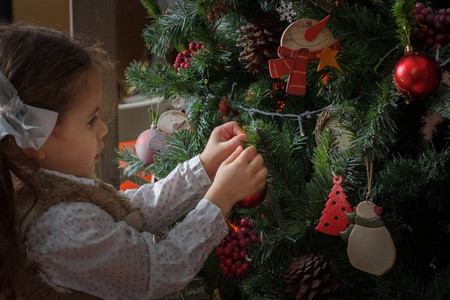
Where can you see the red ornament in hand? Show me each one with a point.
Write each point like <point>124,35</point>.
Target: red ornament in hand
<point>253,200</point>
<point>417,75</point>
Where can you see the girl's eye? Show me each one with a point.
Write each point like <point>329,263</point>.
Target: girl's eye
<point>93,120</point>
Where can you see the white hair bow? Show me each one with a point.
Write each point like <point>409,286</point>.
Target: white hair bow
<point>31,126</point>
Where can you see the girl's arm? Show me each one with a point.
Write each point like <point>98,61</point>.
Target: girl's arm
<point>78,246</point>
<point>164,201</point>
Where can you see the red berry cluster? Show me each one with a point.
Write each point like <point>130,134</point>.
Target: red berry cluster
<point>214,11</point>
<point>432,28</point>
<point>232,251</point>
<point>183,58</point>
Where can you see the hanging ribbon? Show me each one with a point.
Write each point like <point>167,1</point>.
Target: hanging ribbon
<point>369,169</point>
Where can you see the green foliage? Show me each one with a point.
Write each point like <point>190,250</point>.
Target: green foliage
<point>410,176</point>
<point>153,9</point>
<point>161,80</point>
<point>131,161</point>
<point>403,14</point>
<point>440,102</point>
<point>377,133</point>
<point>171,28</point>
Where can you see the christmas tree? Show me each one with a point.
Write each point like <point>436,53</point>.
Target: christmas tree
<point>349,100</point>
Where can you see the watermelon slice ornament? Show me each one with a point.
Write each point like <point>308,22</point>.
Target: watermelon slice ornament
<point>333,218</point>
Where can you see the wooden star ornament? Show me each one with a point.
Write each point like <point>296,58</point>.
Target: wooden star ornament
<point>328,58</point>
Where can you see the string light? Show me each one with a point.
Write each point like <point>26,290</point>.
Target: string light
<point>291,117</point>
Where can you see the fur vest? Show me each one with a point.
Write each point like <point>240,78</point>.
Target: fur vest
<point>53,190</point>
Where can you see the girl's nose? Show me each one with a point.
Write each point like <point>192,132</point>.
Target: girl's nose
<point>103,129</point>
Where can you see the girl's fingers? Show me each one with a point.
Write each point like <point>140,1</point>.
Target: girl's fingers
<point>260,177</point>
<point>257,162</point>
<point>236,140</point>
<point>262,173</point>
<point>234,155</point>
<point>247,155</point>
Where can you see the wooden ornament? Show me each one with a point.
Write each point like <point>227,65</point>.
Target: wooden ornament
<point>216,295</point>
<point>328,58</point>
<point>172,120</point>
<point>326,122</point>
<point>333,219</point>
<point>158,142</point>
<point>303,41</point>
<point>370,246</point>
<point>196,290</point>
<point>309,34</point>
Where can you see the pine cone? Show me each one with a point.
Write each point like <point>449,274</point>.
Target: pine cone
<point>309,278</point>
<point>260,42</point>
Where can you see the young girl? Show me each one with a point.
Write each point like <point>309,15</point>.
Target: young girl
<point>65,234</point>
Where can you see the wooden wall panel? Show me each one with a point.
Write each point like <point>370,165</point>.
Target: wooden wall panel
<point>48,13</point>
<point>97,18</point>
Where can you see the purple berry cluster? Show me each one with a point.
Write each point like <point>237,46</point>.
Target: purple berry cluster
<point>433,28</point>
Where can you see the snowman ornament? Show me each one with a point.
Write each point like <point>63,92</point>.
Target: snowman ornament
<point>370,247</point>
<point>302,41</point>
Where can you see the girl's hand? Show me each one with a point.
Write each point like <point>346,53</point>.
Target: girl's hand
<point>223,141</point>
<point>242,174</point>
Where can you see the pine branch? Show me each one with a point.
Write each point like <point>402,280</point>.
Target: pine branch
<point>440,101</point>
<point>285,173</point>
<point>172,28</point>
<point>265,283</point>
<point>183,145</point>
<point>318,187</point>
<point>128,158</point>
<point>153,9</point>
<point>403,11</point>
<point>378,131</point>
<point>439,287</point>
<point>162,80</point>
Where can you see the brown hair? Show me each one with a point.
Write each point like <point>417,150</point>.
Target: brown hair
<point>44,66</point>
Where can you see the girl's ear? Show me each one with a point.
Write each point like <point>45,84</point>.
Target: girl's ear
<point>36,154</point>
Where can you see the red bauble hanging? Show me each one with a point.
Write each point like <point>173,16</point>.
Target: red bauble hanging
<point>333,219</point>
<point>253,200</point>
<point>417,75</point>
<point>143,151</point>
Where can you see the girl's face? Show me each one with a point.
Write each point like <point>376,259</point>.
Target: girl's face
<point>75,144</point>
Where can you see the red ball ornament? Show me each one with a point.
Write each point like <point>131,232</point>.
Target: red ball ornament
<point>417,75</point>
<point>253,200</point>
<point>142,149</point>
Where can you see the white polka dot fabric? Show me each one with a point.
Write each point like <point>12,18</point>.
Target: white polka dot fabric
<point>79,246</point>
